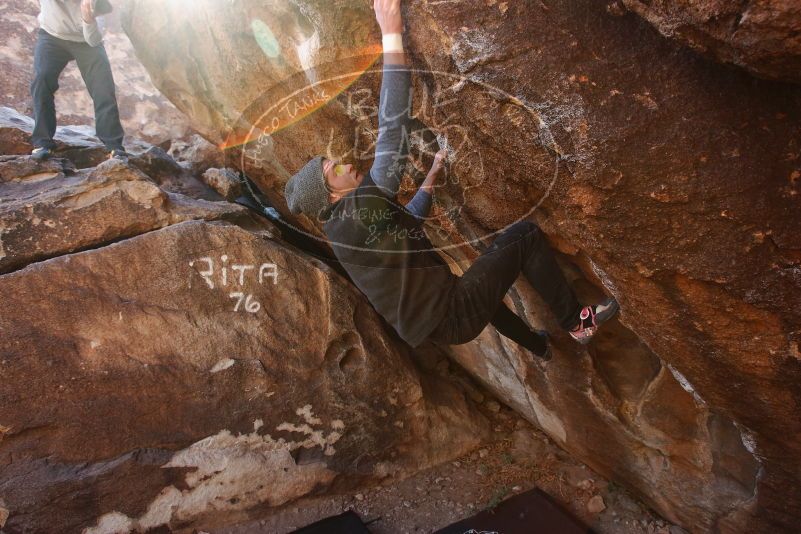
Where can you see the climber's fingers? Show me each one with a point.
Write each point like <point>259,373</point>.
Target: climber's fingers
<point>388,15</point>
<point>438,167</point>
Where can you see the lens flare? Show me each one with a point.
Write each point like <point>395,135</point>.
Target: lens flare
<point>265,38</point>
<point>279,111</point>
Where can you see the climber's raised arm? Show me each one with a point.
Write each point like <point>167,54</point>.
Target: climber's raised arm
<point>394,100</point>
<point>388,15</point>
<point>420,204</point>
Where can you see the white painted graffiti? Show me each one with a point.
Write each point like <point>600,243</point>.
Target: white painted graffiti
<point>251,305</point>
<point>222,274</point>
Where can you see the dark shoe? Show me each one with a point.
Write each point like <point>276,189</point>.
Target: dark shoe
<point>592,317</point>
<point>119,154</point>
<point>548,354</point>
<point>40,153</point>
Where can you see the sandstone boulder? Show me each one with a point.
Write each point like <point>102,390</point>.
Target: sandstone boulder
<point>202,369</point>
<point>197,154</point>
<point>763,36</point>
<point>14,168</point>
<point>76,142</point>
<point>664,179</point>
<point>50,211</point>
<point>153,364</point>
<point>224,181</point>
<point>3,513</point>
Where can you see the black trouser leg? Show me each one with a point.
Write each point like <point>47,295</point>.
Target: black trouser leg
<point>50,57</point>
<point>96,72</point>
<point>510,325</point>
<point>544,274</point>
<point>480,291</point>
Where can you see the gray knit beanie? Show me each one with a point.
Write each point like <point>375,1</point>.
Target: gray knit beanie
<point>306,191</point>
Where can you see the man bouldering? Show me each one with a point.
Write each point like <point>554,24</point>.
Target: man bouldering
<point>382,245</point>
<point>69,31</point>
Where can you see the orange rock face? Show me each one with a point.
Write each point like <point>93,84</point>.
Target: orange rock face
<point>53,211</point>
<point>761,36</point>
<point>165,358</point>
<point>666,180</point>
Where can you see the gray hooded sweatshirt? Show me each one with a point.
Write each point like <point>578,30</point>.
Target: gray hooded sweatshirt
<point>62,19</point>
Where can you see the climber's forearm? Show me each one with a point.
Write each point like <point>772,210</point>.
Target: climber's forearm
<point>394,101</point>
<point>428,183</point>
<point>393,128</point>
<point>420,204</point>
<point>395,58</point>
<point>392,45</point>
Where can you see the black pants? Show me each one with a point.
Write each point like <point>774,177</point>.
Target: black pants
<point>50,57</point>
<point>477,298</point>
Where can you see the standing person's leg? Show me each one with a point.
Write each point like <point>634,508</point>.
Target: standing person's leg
<point>49,59</point>
<point>480,291</point>
<point>96,72</point>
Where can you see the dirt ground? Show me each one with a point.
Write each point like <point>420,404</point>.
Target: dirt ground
<point>520,458</point>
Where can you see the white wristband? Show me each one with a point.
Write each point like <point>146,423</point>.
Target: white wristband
<point>392,42</point>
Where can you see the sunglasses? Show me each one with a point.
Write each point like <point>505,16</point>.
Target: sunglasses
<point>339,170</point>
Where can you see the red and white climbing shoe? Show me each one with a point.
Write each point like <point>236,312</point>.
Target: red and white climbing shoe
<point>591,318</point>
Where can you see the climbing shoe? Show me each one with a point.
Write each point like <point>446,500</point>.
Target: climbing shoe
<point>591,317</point>
<point>119,154</point>
<point>548,354</point>
<point>40,153</point>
